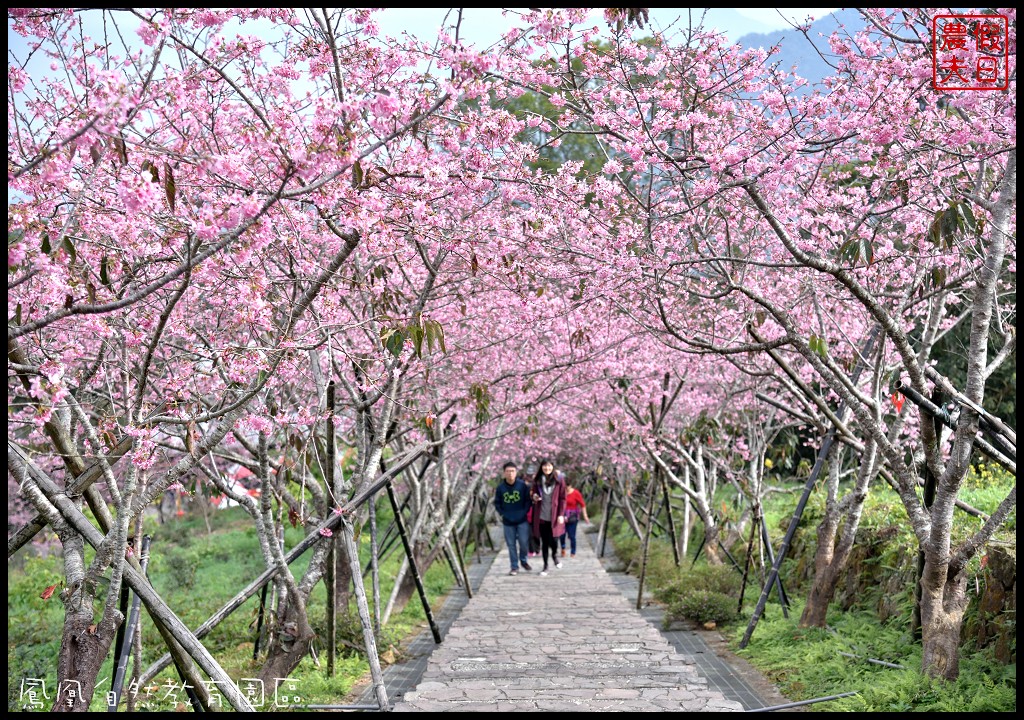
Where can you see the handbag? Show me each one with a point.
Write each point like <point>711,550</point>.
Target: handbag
<point>572,515</point>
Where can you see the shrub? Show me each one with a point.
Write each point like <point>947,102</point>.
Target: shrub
<point>182,569</point>
<point>703,606</point>
<point>720,579</point>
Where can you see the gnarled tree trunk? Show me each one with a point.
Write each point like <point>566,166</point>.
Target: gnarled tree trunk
<point>85,642</point>
<point>942,614</point>
<point>291,639</point>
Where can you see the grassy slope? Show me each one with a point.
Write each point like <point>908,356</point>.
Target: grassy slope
<point>806,663</point>
<point>196,573</point>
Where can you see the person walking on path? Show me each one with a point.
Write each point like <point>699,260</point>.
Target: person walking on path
<point>512,501</point>
<point>534,539</point>
<point>548,511</point>
<point>575,509</point>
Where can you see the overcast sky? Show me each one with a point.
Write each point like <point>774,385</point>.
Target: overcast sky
<point>483,26</point>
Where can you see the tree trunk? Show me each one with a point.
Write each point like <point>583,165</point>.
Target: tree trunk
<point>684,538</point>
<point>826,574</point>
<point>83,648</point>
<point>711,536</point>
<point>292,638</point>
<point>837,533</point>
<point>343,576</point>
<point>85,642</point>
<point>943,603</point>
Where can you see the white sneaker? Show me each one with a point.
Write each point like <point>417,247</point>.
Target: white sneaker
<point>558,565</point>
<point>543,573</point>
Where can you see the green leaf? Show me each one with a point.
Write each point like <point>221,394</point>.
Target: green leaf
<point>415,331</point>
<point>935,230</point>
<point>822,347</point>
<point>858,250</point>
<point>865,250</point>
<point>45,247</point>
<point>357,174</point>
<point>818,345</point>
<point>970,221</point>
<point>848,251</point>
<point>440,338</point>
<point>434,334</point>
<point>481,397</point>
<point>950,224</point>
<point>394,341</point>
<point>104,271</point>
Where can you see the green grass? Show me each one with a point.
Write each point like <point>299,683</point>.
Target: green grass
<point>196,573</point>
<point>33,626</point>
<point>806,663</point>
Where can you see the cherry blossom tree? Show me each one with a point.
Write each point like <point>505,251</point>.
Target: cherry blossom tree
<point>217,215</point>
<point>184,200</point>
<point>810,217</point>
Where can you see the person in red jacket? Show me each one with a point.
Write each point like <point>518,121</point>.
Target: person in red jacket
<point>575,509</point>
<point>548,511</point>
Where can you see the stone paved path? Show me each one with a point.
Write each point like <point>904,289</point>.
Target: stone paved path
<point>566,642</point>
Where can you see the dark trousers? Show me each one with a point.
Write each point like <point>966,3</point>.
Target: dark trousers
<point>547,542</point>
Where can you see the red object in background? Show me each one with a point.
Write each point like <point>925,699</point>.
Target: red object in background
<point>898,400</point>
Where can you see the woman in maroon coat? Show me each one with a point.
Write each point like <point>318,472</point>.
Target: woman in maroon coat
<point>548,511</point>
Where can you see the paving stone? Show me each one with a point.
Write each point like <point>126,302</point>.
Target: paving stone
<point>572,641</point>
<point>569,642</point>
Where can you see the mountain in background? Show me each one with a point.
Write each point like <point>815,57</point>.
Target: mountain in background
<point>796,51</point>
